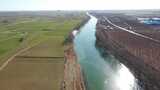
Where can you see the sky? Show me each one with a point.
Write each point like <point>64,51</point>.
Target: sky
<point>20,5</point>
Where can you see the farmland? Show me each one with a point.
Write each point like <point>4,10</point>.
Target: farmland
<point>18,30</point>
<point>135,44</point>
<point>31,43</point>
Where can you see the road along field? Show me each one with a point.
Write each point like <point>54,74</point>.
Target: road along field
<point>130,43</point>
<point>34,58</point>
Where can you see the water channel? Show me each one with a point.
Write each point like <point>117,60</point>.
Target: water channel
<point>100,73</point>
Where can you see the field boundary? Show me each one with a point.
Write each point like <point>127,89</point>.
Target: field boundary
<point>13,56</point>
<point>36,57</point>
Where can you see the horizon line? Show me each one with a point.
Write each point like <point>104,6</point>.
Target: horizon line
<point>81,10</point>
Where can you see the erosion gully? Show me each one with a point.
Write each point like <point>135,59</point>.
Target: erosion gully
<point>101,71</point>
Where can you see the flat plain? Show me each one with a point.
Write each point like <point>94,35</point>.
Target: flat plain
<point>41,66</point>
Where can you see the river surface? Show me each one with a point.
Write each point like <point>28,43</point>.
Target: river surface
<point>100,73</point>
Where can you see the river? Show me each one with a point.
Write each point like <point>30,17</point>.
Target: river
<point>100,73</point>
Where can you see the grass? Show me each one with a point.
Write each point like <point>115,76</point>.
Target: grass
<point>51,48</point>
<point>38,30</point>
<point>8,45</point>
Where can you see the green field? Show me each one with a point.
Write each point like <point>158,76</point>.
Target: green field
<point>21,31</point>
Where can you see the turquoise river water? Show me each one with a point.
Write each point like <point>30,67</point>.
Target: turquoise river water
<point>100,73</point>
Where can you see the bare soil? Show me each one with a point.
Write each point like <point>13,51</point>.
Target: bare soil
<point>36,71</point>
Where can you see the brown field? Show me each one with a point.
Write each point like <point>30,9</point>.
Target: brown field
<point>50,48</point>
<point>140,54</point>
<point>146,49</point>
<point>34,69</point>
<point>136,26</point>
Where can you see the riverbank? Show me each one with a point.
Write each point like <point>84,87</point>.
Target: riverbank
<point>71,35</point>
<point>73,77</point>
<point>148,77</point>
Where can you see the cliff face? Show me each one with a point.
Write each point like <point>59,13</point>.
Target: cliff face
<point>148,76</point>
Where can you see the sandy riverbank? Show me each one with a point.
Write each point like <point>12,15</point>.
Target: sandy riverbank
<point>73,77</point>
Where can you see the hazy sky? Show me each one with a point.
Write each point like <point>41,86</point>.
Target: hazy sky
<point>78,4</point>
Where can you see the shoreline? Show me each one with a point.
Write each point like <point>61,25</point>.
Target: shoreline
<point>73,75</point>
